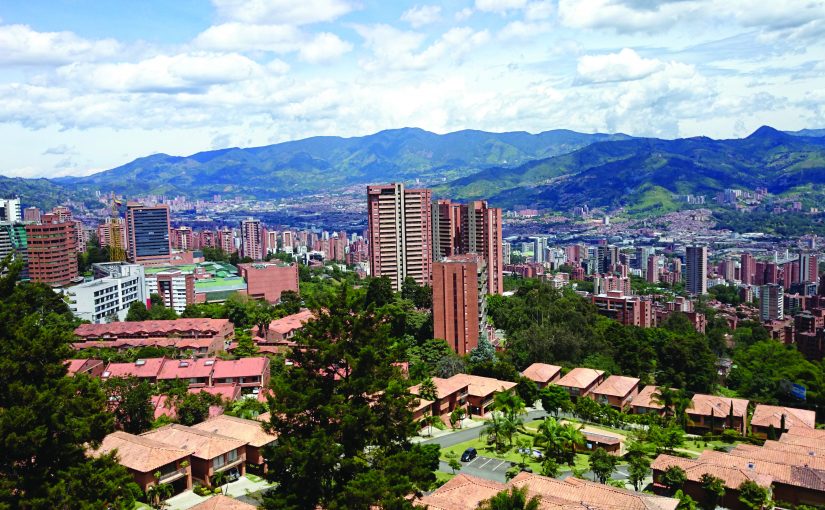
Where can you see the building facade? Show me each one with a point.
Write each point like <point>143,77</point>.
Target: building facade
<point>459,311</point>
<point>51,249</point>
<point>148,233</point>
<point>109,296</point>
<point>251,240</point>
<point>771,302</point>
<point>697,270</point>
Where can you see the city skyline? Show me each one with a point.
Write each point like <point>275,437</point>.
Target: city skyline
<point>85,88</point>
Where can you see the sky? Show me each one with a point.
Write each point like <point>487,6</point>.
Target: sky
<point>88,85</point>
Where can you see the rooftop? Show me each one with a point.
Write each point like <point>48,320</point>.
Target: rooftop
<point>765,416</point>
<point>645,398</point>
<point>240,367</point>
<point>580,378</point>
<point>617,386</point>
<point>187,368</point>
<point>140,453</point>
<point>149,367</point>
<point>149,328</point>
<point>221,502</point>
<point>289,323</point>
<point>203,444</point>
<point>707,405</point>
<point>478,386</point>
<point>541,372</point>
<point>443,387</point>
<point>248,431</point>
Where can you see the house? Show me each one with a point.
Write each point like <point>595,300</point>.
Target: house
<point>251,374</point>
<point>144,457</point>
<point>465,492</point>
<point>579,382</point>
<point>616,391</point>
<point>711,413</point>
<point>450,394</point>
<point>196,372</point>
<point>148,369</point>
<point>227,392</point>
<point>542,374</point>
<point>165,406</point>
<point>805,448</point>
<point>211,453</point>
<point>481,391</point>
<point>598,439</point>
<point>780,419</point>
<point>201,336</point>
<point>92,367</point>
<point>281,331</point>
<point>803,432</point>
<point>646,402</point>
<point>249,431</point>
<point>221,502</point>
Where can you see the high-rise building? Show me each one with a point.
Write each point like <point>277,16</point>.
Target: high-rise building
<point>539,249</point>
<point>31,214</point>
<point>147,230</point>
<point>747,272</point>
<point>808,268</point>
<point>13,242</point>
<point>772,302</point>
<point>226,240</point>
<point>459,311</point>
<point>400,226</point>
<point>652,274</point>
<point>51,251</point>
<point>251,241</point>
<point>10,209</point>
<point>470,228</point>
<point>175,287</point>
<point>182,239</point>
<point>506,250</point>
<point>696,280</point>
<point>117,286</point>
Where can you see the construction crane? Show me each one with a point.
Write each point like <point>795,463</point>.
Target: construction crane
<point>116,251</point>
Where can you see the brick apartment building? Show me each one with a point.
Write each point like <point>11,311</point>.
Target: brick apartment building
<point>51,249</point>
<point>268,280</point>
<point>459,301</point>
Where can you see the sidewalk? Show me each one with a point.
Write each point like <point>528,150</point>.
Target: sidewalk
<point>466,423</point>
<point>242,489</point>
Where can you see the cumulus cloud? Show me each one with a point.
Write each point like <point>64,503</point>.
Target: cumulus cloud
<point>523,29</point>
<point>421,15</point>
<point>236,36</point>
<point>323,48</point>
<point>21,45</point>
<point>622,66</point>
<point>398,49</point>
<point>538,10</point>
<point>278,12</point>
<point>59,150</point>
<point>499,6</point>
<point>626,16</point>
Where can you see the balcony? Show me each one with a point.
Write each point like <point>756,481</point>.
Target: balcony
<point>171,476</point>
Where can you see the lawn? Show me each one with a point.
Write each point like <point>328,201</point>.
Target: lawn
<point>141,506</point>
<point>441,478</point>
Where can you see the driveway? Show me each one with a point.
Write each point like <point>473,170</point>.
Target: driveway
<point>243,489</point>
<point>482,467</point>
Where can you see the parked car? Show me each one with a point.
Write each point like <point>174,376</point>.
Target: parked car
<point>536,454</point>
<point>469,454</point>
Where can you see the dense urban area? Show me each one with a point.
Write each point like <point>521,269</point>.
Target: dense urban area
<point>164,353</point>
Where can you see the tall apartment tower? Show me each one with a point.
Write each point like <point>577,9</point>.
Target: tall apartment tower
<point>808,268</point>
<point>459,310</point>
<point>31,214</point>
<point>251,241</point>
<point>652,274</point>
<point>226,240</point>
<point>470,228</point>
<point>147,229</point>
<point>51,251</point>
<point>747,265</point>
<point>401,234</point>
<point>772,302</point>
<point>10,210</point>
<point>696,280</point>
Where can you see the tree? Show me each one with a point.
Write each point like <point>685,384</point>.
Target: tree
<point>48,420</point>
<point>246,346</point>
<point>494,428</point>
<point>525,449</point>
<point>247,408</point>
<point>509,403</point>
<point>427,390</point>
<point>193,408</point>
<point>714,489</point>
<point>132,398</point>
<point>549,467</point>
<point>548,436</point>
<point>379,292</point>
<point>685,501</point>
<point>452,461</point>
<point>514,499</point>
<point>553,398</point>
<point>158,311</point>
<point>638,469</point>
<point>137,312</point>
<point>428,421</point>
<point>571,437</point>
<point>158,493</point>
<point>342,416</point>
<point>754,496</point>
<point>527,390</point>
<point>484,352</point>
<point>587,409</point>
<point>602,464</point>
<point>674,478</point>
<point>457,416</point>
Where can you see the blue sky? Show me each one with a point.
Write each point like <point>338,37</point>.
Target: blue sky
<point>89,85</point>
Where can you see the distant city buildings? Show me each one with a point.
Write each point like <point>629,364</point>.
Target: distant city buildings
<point>697,270</point>
<point>771,302</point>
<point>109,297</point>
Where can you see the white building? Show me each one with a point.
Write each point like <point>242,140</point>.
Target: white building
<point>111,295</point>
<point>10,210</point>
<point>175,287</point>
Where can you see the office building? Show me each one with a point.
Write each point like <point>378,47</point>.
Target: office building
<point>175,287</point>
<point>697,270</point>
<point>459,310</point>
<point>51,251</point>
<point>506,251</point>
<point>226,240</point>
<point>652,274</point>
<point>10,210</point>
<point>771,302</point>
<point>13,241</point>
<point>471,228</point>
<point>251,240</point>
<point>109,296</point>
<point>268,280</point>
<point>148,233</point>
<point>400,232</point>
<point>183,239</point>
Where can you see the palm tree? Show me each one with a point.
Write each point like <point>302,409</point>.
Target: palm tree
<point>509,403</point>
<point>571,437</point>
<point>494,427</point>
<point>157,493</point>
<point>514,499</point>
<point>428,421</point>
<point>219,478</point>
<point>666,397</point>
<point>549,437</point>
<point>681,404</point>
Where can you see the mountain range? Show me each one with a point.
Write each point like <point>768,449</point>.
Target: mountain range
<point>556,169</point>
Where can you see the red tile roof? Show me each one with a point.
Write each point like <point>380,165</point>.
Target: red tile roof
<point>74,366</point>
<point>541,372</point>
<point>730,472</point>
<point>187,368</point>
<point>139,453</point>
<point>205,445</point>
<point>244,367</point>
<point>151,328</point>
<point>765,416</point>
<point>444,387</point>
<point>229,392</point>
<point>478,386</point>
<point>779,456</point>
<point>617,386</point>
<point>284,325</point>
<point>806,432</point>
<point>645,398</point>
<point>705,405</point>
<point>147,368</point>
<point>580,378</point>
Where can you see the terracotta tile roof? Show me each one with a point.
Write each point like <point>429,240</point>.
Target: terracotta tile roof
<point>444,387</point>
<point>140,453</point>
<point>580,378</point>
<point>645,398</point>
<point>591,494</point>
<point>799,476</point>
<point>778,456</point>
<point>74,366</point>
<point>808,448</point>
<point>703,404</point>
<point>422,404</point>
<point>732,474</point>
<point>151,328</point>
<point>478,386</point>
<point>806,432</point>
<point>617,386</point>
<point>229,392</point>
<point>125,343</point>
<point>541,372</point>
<point>221,502</point>
<point>244,367</point>
<point>204,444</point>
<point>800,440</point>
<point>187,368</point>
<point>148,368</point>
<point>285,325</point>
<point>765,416</point>
<point>264,417</point>
<point>462,492</point>
<point>163,406</point>
<point>248,431</point>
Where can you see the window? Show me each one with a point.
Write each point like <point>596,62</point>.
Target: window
<point>218,462</point>
<point>232,456</point>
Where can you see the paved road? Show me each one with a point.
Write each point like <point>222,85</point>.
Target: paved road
<point>464,435</point>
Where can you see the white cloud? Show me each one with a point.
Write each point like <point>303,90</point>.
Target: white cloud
<point>523,29</point>
<point>540,10</point>
<point>59,150</point>
<point>499,6</point>
<point>323,48</point>
<point>163,73</point>
<point>626,16</point>
<point>242,37</point>
<point>421,15</point>
<point>464,14</point>
<point>397,49</point>
<point>278,12</point>
<point>622,66</point>
<point>21,45</point>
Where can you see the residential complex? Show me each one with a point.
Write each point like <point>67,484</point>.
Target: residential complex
<point>459,301</point>
<point>51,247</point>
